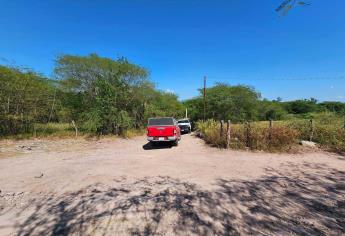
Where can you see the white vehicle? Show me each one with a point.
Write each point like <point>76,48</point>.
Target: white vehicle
<point>185,125</point>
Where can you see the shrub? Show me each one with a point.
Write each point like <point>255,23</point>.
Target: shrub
<point>255,136</point>
<point>328,132</point>
<point>330,137</point>
<point>209,131</point>
<point>13,125</point>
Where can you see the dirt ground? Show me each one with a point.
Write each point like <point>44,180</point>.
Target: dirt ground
<point>127,187</point>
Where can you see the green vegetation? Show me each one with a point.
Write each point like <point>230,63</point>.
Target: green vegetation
<point>100,95</point>
<point>25,97</point>
<point>327,130</point>
<point>242,103</point>
<point>93,95</point>
<point>253,136</point>
<point>237,103</point>
<point>52,130</point>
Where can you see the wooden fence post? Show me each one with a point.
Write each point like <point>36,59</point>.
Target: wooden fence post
<point>270,131</point>
<point>248,141</point>
<point>311,130</point>
<point>228,134</point>
<point>221,128</point>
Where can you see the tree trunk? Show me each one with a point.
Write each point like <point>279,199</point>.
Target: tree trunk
<point>75,128</point>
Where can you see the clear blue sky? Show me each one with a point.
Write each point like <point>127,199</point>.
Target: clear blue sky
<point>237,41</point>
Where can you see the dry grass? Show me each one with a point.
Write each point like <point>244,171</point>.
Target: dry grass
<point>66,130</point>
<point>130,133</point>
<point>282,136</point>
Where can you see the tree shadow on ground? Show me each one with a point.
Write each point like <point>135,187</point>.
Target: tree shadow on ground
<point>304,200</point>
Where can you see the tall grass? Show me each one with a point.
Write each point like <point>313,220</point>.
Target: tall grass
<point>329,134</point>
<point>64,130</point>
<point>254,136</point>
<point>282,136</point>
<point>130,133</point>
<point>55,130</point>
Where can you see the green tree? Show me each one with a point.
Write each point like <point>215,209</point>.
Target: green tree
<point>237,103</point>
<point>26,98</point>
<point>110,96</point>
<point>336,107</point>
<point>101,92</point>
<point>272,110</point>
<point>301,106</point>
<point>195,108</point>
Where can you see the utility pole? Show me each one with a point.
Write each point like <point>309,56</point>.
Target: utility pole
<point>204,98</point>
<point>186,113</point>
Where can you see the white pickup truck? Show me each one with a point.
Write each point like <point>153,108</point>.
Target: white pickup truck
<point>185,125</point>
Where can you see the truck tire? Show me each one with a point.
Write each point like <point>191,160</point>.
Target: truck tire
<point>175,143</point>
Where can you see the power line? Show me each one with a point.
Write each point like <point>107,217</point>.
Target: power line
<point>279,79</point>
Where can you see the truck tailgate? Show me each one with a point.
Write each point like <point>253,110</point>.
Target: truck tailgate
<point>160,131</point>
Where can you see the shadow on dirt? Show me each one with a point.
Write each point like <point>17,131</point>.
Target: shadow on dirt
<point>185,133</point>
<point>162,145</point>
<point>305,200</point>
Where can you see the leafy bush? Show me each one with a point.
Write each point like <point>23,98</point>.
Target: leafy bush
<point>330,137</point>
<point>103,95</point>
<point>329,134</point>
<point>255,136</point>
<point>329,131</point>
<point>209,131</point>
<point>13,125</point>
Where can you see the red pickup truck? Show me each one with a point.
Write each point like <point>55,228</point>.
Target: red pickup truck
<point>163,129</point>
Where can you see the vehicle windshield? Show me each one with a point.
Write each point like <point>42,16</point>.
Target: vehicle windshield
<point>161,121</point>
<point>183,121</point>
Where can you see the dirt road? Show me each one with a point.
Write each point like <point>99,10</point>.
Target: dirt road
<point>127,187</point>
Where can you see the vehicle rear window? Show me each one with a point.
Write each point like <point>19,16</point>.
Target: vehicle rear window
<point>183,121</point>
<point>161,121</point>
